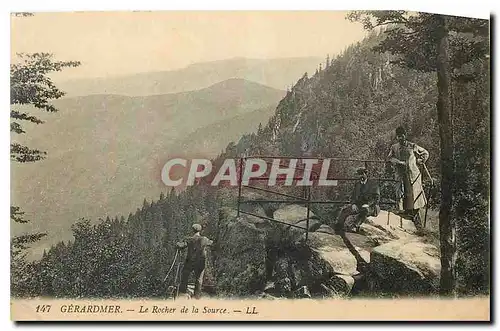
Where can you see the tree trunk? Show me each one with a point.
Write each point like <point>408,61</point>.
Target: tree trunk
<point>446,232</point>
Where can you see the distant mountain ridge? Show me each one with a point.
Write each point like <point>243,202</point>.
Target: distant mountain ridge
<point>278,73</point>
<point>105,152</point>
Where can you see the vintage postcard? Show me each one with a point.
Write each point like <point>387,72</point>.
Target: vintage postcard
<point>250,165</point>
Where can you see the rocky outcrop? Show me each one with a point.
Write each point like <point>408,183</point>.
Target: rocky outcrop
<point>390,220</point>
<point>339,285</point>
<point>275,259</point>
<point>313,225</point>
<point>324,264</point>
<point>325,229</point>
<point>337,259</point>
<point>292,214</point>
<point>251,199</point>
<point>387,227</point>
<point>406,267</point>
<point>255,209</point>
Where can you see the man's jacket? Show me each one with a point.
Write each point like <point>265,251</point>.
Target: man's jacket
<point>196,247</point>
<point>368,193</point>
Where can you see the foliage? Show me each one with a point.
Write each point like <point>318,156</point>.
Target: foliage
<point>472,185</point>
<point>29,85</point>
<point>413,37</point>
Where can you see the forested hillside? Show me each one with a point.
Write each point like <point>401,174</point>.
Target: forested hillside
<point>348,109</point>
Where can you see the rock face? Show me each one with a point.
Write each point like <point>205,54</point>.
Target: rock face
<point>251,199</point>
<point>336,259</point>
<point>253,208</point>
<point>274,259</point>
<point>339,285</point>
<point>313,224</point>
<point>413,266</point>
<point>325,264</point>
<point>387,227</point>
<point>386,249</point>
<point>325,229</point>
<point>332,256</point>
<point>292,214</point>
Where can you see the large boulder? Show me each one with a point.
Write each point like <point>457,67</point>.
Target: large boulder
<point>336,260</point>
<point>292,214</point>
<point>339,285</point>
<point>313,225</point>
<point>325,229</point>
<point>228,214</point>
<point>406,267</point>
<point>388,227</point>
<point>291,234</point>
<point>292,224</point>
<point>388,220</point>
<point>254,208</point>
<point>325,263</point>
<point>257,198</point>
<point>377,234</point>
<point>360,241</point>
<point>331,252</point>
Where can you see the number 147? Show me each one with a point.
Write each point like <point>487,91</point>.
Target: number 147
<point>43,308</point>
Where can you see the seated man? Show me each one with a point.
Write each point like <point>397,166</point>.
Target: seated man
<point>364,202</point>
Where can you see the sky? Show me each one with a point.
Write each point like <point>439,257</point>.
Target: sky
<point>120,43</point>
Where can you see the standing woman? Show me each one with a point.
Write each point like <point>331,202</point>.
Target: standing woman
<point>406,156</point>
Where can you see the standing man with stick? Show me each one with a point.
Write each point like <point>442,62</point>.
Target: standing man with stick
<point>406,156</point>
<point>196,259</point>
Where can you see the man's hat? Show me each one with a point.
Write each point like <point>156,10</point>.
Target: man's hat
<point>400,130</point>
<point>196,227</point>
<point>361,170</point>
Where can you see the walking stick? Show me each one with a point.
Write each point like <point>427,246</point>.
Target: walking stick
<point>172,266</point>
<point>176,280</point>
<point>429,192</point>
